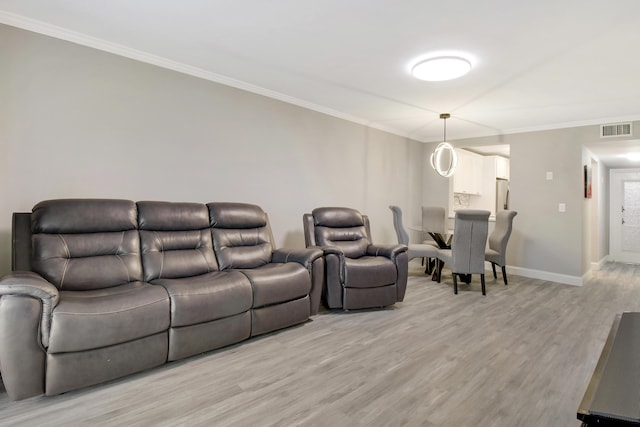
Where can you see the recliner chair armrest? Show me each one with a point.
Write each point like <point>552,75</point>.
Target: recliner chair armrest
<point>331,250</point>
<point>301,256</point>
<point>30,284</point>
<point>389,251</point>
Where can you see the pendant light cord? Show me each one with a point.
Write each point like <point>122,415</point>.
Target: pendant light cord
<point>445,130</point>
<point>445,116</point>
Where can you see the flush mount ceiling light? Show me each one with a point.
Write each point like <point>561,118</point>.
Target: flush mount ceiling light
<point>441,68</point>
<point>444,158</point>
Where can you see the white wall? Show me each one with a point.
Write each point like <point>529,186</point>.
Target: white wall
<point>77,122</point>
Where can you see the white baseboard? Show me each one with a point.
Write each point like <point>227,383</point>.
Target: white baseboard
<point>546,275</point>
<point>598,265</point>
<point>537,274</point>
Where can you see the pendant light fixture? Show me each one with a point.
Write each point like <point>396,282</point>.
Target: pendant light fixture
<point>444,153</point>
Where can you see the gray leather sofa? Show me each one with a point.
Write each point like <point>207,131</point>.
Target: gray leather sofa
<point>104,288</point>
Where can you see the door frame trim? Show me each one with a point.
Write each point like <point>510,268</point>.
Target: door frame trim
<point>615,175</point>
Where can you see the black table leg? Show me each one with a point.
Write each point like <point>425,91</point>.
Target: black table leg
<point>437,270</point>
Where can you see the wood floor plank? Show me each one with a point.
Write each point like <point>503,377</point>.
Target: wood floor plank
<point>520,356</point>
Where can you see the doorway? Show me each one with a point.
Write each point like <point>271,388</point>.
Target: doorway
<point>624,228</point>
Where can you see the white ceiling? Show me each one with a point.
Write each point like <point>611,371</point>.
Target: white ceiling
<point>537,65</point>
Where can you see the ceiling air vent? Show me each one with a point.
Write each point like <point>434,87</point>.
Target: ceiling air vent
<point>615,129</point>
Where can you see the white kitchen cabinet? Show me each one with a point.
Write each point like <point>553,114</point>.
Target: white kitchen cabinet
<point>502,167</point>
<point>467,178</point>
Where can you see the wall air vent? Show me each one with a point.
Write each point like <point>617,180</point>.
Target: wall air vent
<point>615,129</point>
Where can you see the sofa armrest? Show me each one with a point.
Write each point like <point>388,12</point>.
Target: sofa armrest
<point>26,305</point>
<point>389,251</point>
<point>312,259</point>
<point>301,256</point>
<point>30,284</point>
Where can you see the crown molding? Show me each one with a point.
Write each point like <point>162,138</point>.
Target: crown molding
<point>54,31</point>
<point>581,123</point>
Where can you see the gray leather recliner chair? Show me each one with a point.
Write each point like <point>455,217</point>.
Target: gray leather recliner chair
<point>358,274</point>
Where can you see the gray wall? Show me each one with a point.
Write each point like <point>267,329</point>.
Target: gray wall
<point>78,122</point>
<point>545,243</point>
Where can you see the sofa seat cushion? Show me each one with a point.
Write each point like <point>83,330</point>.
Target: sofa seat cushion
<point>369,272</point>
<point>207,297</point>
<point>86,320</point>
<point>276,283</point>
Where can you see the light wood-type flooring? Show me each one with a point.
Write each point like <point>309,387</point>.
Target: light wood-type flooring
<point>520,356</point>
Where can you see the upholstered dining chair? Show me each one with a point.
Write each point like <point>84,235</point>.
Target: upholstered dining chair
<point>358,273</point>
<point>416,250</point>
<point>497,250</point>
<point>466,256</point>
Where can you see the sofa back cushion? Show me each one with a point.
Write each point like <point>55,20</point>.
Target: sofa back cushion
<point>343,228</point>
<point>175,239</point>
<point>241,235</point>
<point>84,244</point>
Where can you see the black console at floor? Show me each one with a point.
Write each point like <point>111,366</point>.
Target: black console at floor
<point>613,395</point>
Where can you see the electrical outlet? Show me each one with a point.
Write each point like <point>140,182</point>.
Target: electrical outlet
<point>562,207</point>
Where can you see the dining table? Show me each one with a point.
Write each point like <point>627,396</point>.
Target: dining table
<point>444,242</point>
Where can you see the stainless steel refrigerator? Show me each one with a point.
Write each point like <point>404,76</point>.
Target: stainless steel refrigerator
<point>502,194</point>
